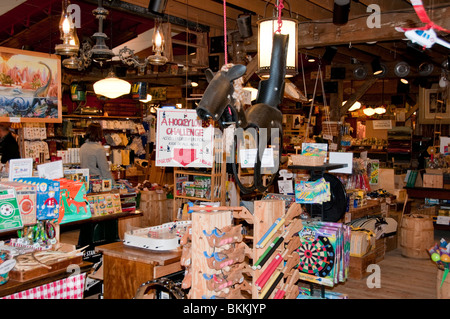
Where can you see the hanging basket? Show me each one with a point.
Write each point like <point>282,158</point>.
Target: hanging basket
<point>307,160</point>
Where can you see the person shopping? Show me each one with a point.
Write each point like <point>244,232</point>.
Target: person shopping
<point>93,154</point>
<point>9,148</point>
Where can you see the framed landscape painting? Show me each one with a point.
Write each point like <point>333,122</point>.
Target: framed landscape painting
<point>30,86</point>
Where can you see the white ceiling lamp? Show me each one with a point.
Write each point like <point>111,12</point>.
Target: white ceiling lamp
<point>355,106</point>
<point>112,87</point>
<point>380,110</point>
<point>147,99</point>
<point>266,28</point>
<point>369,111</point>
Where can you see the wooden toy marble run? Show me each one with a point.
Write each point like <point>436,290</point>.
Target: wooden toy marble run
<point>222,263</point>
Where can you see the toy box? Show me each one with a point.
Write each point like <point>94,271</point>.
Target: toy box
<point>104,204</point>
<point>47,197</point>
<point>26,199</point>
<point>10,217</point>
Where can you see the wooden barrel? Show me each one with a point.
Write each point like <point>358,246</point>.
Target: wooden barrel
<point>416,236</point>
<point>443,292</point>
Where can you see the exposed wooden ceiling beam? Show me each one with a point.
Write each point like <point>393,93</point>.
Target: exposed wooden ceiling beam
<point>357,31</point>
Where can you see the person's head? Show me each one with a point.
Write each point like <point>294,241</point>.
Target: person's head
<point>4,129</point>
<point>94,132</point>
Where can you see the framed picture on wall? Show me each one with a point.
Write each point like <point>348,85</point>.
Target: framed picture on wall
<point>433,104</point>
<point>30,86</point>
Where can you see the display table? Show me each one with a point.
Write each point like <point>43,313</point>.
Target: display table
<point>125,268</point>
<point>48,286</point>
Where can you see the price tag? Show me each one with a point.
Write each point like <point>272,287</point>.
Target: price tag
<point>443,220</point>
<point>14,119</point>
<point>7,266</point>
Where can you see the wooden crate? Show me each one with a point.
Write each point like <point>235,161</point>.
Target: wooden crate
<point>307,160</point>
<point>41,271</point>
<point>153,205</point>
<point>433,180</point>
<point>358,265</point>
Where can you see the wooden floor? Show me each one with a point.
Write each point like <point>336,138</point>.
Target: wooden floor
<point>400,278</point>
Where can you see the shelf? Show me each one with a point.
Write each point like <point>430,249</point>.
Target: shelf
<point>194,173</point>
<point>194,198</point>
<point>86,116</point>
<point>324,167</point>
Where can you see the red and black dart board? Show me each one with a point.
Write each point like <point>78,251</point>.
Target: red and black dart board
<point>316,257</point>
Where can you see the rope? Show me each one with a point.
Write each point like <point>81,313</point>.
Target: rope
<point>280,7</point>
<point>225,30</point>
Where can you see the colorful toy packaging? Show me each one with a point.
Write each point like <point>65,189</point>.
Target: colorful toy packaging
<point>10,217</point>
<point>47,197</point>
<point>324,252</point>
<point>312,192</point>
<point>26,198</point>
<point>74,205</point>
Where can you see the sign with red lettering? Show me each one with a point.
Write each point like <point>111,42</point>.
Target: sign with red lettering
<point>183,140</point>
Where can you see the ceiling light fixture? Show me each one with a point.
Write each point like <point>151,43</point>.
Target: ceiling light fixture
<point>380,110</point>
<point>158,46</point>
<point>369,111</point>
<point>341,10</point>
<point>68,34</point>
<point>377,69</point>
<point>269,26</point>
<point>355,106</point>
<point>147,99</point>
<point>112,87</point>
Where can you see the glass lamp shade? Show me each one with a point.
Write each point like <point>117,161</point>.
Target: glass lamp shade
<point>369,111</point>
<point>266,29</point>
<point>112,87</point>
<point>380,110</point>
<point>355,106</point>
<point>68,35</point>
<point>158,47</point>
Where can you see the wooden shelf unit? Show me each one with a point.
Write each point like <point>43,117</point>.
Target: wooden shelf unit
<point>217,173</point>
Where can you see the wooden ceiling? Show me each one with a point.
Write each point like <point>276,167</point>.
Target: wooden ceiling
<point>34,25</point>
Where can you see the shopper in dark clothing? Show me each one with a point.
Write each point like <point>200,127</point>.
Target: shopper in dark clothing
<point>9,148</point>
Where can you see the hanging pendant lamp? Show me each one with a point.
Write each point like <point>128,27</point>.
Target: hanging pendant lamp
<point>112,87</point>
<point>266,28</point>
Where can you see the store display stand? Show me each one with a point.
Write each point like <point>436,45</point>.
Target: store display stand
<point>217,173</point>
<point>318,172</point>
<point>273,278</point>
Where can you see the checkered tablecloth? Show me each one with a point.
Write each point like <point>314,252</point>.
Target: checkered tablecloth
<point>71,287</point>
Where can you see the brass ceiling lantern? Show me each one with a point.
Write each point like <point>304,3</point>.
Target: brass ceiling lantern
<point>68,34</point>
<point>158,46</point>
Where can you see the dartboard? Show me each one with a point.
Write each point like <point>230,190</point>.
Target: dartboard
<point>316,257</point>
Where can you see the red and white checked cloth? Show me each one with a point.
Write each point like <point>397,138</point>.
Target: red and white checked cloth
<point>71,287</point>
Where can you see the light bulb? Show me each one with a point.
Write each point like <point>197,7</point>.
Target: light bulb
<point>158,38</point>
<point>66,26</point>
